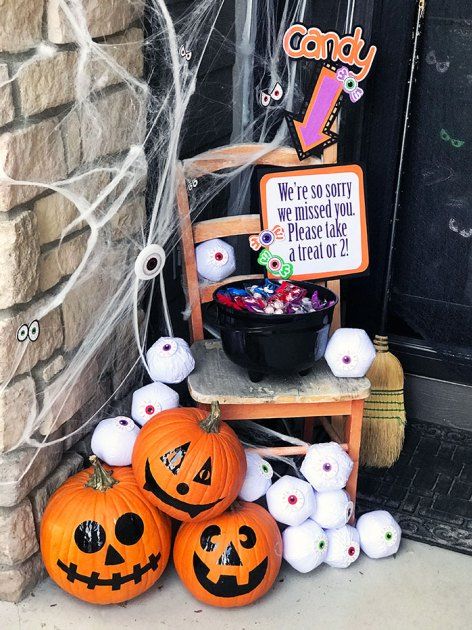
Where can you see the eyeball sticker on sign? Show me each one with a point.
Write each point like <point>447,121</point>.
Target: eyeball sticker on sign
<point>322,213</point>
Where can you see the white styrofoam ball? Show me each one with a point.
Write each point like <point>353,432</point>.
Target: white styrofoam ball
<point>327,466</point>
<point>333,509</point>
<point>290,500</point>
<point>170,360</point>
<point>215,260</point>
<point>343,546</point>
<point>379,533</point>
<point>350,352</point>
<point>113,440</point>
<point>305,546</point>
<point>258,478</point>
<point>152,399</point>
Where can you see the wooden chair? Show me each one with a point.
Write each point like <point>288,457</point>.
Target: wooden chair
<point>317,395</point>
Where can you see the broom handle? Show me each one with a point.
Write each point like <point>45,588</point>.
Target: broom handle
<point>393,230</point>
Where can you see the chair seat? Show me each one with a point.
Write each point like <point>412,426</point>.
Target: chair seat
<point>217,378</point>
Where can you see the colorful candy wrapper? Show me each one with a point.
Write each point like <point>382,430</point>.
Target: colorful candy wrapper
<point>288,292</point>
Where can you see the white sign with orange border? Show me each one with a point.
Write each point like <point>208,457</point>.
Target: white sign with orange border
<point>321,211</point>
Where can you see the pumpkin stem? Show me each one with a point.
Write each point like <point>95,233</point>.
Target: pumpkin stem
<point>100,479</point>
<point>211,424</point>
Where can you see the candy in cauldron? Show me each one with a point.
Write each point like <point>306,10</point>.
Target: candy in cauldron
<point>284,342</point>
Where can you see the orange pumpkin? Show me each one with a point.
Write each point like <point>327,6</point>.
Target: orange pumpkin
<point>231,559</point>
<point>188,463</point>
<point>101,540</point>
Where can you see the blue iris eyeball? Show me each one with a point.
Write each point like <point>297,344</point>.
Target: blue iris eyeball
<point>266,237</point>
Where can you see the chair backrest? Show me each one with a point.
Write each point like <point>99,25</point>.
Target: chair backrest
<point>191,234</point>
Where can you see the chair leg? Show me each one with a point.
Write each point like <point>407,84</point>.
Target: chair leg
<point>308,426</point>
<point>352,436</point>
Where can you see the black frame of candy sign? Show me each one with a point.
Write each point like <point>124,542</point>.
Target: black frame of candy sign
<point>325,230</point>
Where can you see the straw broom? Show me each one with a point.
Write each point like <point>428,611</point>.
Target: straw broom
<point>383,426</point>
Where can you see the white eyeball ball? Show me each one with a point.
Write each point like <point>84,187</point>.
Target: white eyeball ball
<point>333,509</point>
<point>215,260</point>
<point>152,399</point>
<point>327,466</point>
<point>290,500</point>
<point>305,546</point>
<point>379,533</point>
<point>170,360</point>
<point>258,478</point>
<point>113,440</point>
<point>343,546</point>
<point>350,352</point>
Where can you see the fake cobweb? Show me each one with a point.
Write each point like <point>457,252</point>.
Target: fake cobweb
<point>104,290</point>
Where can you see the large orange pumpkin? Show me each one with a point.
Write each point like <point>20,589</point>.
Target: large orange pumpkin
<point>189,463</point>
<point>101,540</point>
<point>231,559</point>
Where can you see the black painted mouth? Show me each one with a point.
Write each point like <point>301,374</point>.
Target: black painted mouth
<point>116,581</point>
<point>192,510</point>
<point>227,585</point>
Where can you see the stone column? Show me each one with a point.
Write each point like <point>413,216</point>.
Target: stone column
<point>44,139</point>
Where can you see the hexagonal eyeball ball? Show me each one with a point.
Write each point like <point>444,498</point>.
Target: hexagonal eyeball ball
<point>113,440</point>
<point>343,547</point>
<point>258,478</point>
<point>350,352</point>
<point>379,534</point>
<point>152,399</point>
<point>290,500</point>
<point>215,260</point>
<point>327,466</point>
<point>333,509</point>
<point>305,546</point>
<point>170,360</point>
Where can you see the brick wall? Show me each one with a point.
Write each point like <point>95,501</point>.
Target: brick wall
<point>45,138</point>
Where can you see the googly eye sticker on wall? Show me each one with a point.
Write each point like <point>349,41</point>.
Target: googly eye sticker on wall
<point>30,332</point>
<point>150,262</point>
<point>185,54</point>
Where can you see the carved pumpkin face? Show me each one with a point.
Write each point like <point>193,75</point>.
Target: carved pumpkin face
<point>188,463</point>
<point>232,559</point>
<point>104,543</point>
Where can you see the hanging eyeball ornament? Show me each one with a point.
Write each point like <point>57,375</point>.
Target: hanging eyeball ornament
<point>150,262</point>
<point>327,466</point>
<point>113,440</point>
<point>170,360</point>
<point>333,509</point>
<point>152,399</point>
<point>258,478</point>
<point>290,500</point>
<point>215,260</point>
<point>350,352</point>
<point>305,546</point>
<point>343,547</point>
<point>379,534</point>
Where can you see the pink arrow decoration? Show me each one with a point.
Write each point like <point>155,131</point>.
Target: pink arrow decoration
<point>311,132</point>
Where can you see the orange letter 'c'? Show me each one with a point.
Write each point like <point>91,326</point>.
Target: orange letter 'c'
<point>295,29</point>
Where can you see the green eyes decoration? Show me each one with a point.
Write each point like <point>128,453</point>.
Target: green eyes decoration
<point>447,138</point>
<point>321,545</point>
<point>24,332</point>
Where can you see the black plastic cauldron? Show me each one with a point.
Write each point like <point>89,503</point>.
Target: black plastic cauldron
<point>280,344</point>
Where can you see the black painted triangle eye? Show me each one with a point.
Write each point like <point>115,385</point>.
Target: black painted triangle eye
<point>129,528</point>
<point>203,476</point>
<point>173,459</point>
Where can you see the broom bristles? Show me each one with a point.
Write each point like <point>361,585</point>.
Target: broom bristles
<point>383,427</point>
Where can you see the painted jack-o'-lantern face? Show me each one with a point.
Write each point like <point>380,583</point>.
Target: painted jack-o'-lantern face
<point>189,464</point>
<point>100,540</point>
<point>230,560</point>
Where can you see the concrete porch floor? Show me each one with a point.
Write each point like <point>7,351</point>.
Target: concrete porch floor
<point>422,588</point>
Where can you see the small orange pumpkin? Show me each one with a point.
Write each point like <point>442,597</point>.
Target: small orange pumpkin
<point>188,463</point>
<point>231,559</point>
<point>101,541</point>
